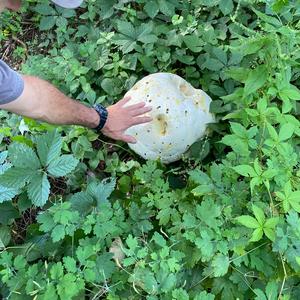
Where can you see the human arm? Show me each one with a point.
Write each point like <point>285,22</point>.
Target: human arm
<point>42,101</point>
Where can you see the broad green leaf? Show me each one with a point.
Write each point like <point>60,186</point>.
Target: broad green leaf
<point>151,8</point>
<point>82,202</point>
<point>47,22</point>
<point>294,200</point>
<point>271,222</point>
<point>272,290</point>
<point>204,296</point>
<point>193,42</point>
<point>286,131</point>
<point>270,233</point>
<point>220,265</point>
<point>70,264</point>
<point>292,93</point>
<point>268,19</point>
<point>256,235</point>
<point>166,7</point>
<point>8,212</point>
<point>248,221</point>
<point>257,167</point>
<point>112,86</point>
<point>45,9</point>
<point>58,233</point>
<point>3,156</point>
<point>62,165</point>
<point>203,190</point>
<point>7,193</point>
<point>48,146</point>
<point>256,79</point>
<point>245,170</point>
<point>4,236</point>
<point>39,189</point>
<point>46,222</point>
<point>272,132</point>
<point>144,33</point>
<point>22,156</point>
<point>16,177</point>
<point>101,191</point>
<point>259,214</point>
<point>226,6</point>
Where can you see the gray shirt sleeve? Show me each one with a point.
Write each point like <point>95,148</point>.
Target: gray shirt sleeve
<point>11,84</point>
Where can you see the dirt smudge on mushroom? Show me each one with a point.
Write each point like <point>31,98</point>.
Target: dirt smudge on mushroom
<point>161,124</point>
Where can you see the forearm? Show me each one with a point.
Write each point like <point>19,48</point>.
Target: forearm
<point>42,101</point>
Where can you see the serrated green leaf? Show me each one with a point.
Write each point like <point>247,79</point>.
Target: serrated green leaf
<point>7,193</point>
<point>286,131</point>
<point>271,222</point>
<point>58,233</point>
<point>259,214</point>
<point>151,8</point>
<point>204,296</point>
<point>220,265</point>
<point>248,221</point>
<point>48,147</point>
<point>226,6</point>
<point>22,156</point>
<point>194,43</point>
<point>5,236</point>
<point>245,170</point>
<point>256,235</point>
<point>47,22</point>
<point>82,202</point>
<point>39,189</point>
<point>270,233</point>
<point>256,79</point>
<point>62,165</point>
<point>16,177</point>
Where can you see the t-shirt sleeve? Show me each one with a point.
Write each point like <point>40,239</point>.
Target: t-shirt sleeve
<point>11,84</point>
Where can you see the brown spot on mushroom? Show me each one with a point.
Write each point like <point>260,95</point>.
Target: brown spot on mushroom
<point>135,87</point>
<point>161,124</point>
<point>186,89</point>
<point>200,102</point>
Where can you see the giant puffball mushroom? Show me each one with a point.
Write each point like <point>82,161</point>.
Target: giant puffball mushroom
<point>180,116</point>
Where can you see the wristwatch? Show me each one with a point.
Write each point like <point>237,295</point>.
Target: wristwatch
<point>102,112</point>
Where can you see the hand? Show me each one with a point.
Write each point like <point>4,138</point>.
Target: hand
<point>120,118</point>
<point>11,4</point>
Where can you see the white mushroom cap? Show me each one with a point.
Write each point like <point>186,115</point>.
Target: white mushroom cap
<point>180,116</point>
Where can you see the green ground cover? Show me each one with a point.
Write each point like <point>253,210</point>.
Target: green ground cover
<point>82,217</point>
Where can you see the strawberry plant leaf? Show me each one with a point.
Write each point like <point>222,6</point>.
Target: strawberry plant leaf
<point>62,166</point>
<point>39,189</point>
<point>48,146</point>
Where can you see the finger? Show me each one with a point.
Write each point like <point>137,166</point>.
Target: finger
<point>140,120</point>
<point>128,139</point>
<point>140,111</point>
<point>136,106</point>
<point>123,101</point>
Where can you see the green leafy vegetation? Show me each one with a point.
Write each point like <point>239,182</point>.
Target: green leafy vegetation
<point>84,218</point>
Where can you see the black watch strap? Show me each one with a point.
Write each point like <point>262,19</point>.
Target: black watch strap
<point>102,112</point>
